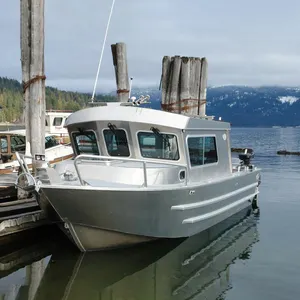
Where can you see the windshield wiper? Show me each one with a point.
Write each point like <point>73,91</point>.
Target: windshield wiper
<point>157,133</point>
<point>117,133</point>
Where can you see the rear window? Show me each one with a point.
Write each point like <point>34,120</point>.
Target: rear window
<point>202,150</point>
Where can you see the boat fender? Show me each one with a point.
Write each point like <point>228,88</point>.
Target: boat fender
<point>258,178</point>
<point>254,205</point>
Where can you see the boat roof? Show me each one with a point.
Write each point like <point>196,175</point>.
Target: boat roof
<point>20,132</point>
<point>59,112</point>
<point>129,113</point>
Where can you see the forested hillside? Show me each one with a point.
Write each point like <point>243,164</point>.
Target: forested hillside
<point>11,99</point>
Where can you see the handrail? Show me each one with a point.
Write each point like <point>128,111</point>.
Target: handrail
<point>127,159</point>
<point>124,159</point>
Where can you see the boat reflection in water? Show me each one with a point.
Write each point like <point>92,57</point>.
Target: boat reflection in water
<point>197,267</point>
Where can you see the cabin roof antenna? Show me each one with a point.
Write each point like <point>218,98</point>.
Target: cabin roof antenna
<point>102,51</point>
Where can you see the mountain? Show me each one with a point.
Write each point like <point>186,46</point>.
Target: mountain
<point>239,105</point>
<point>247,106</point>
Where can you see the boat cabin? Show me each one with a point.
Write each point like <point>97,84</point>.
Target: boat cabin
<point>199,147</point>
<point>55,121</point>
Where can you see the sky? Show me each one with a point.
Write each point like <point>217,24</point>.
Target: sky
<point>245,42</point>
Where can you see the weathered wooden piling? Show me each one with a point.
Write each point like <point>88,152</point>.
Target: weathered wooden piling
<point>121,70</point>
<point>183,86</point>
<point>174,87</point>
<point>24,212</point>
<point>25,7</point>
<point>185,82</point>
<point>32,60</point>
<point>164,78</point>
<point>203,87</point>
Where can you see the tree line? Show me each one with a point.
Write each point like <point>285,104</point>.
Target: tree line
<point>11,100</point>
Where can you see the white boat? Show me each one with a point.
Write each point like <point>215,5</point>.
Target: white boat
<point>141,174</point>
<point>55,134</point>
<point>54,124</point>
<point>13,141</point>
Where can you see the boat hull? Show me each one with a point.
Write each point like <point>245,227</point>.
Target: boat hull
<point>99,218</point>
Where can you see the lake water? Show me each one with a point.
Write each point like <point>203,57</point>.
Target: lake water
<point>256,257</point>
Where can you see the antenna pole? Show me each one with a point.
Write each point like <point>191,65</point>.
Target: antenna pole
<point>103,46</point>
<point>130,86</point>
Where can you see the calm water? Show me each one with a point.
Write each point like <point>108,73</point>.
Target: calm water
<point>257,257</point>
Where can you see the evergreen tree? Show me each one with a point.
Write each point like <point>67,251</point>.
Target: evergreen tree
<point>11,100</point>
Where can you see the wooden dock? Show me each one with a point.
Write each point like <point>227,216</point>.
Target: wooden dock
<point>17,215</point>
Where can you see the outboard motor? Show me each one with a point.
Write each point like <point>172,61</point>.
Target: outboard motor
<point>246,158</point>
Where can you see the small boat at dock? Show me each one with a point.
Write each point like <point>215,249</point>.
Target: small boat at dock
<point>15,141</point>
<point>141,174</point>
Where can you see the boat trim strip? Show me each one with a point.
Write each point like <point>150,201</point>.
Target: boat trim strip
<point>218,211</point>
<point>213,200</point>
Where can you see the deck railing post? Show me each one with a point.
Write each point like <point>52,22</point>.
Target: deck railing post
<point>77,171</point>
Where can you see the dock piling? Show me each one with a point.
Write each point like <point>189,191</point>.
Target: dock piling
<point>184,83</point>
<point>32,61</point>
<point>121,70</point>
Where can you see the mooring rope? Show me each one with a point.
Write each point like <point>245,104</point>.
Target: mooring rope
<point>32,80</point>
<point>102,51</point>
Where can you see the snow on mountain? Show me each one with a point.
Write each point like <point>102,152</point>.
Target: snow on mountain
<point>245,105</point>
<point>288,99</point>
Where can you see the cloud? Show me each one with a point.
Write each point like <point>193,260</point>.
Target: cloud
<point>253,43</point>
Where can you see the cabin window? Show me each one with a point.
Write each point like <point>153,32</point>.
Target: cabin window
<point>116,142</point>
<point>50,141</point>
<point>85,142</point>
<point>4,144</point>
<point>57,121</point>
<point>17,143</point>
<point>202,150</point>
<point>158,145</point>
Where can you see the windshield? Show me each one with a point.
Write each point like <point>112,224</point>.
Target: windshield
<point>85,142</point>
<point>116,142</point>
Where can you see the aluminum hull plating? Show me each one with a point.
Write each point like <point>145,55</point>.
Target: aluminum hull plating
<point>99,218</point>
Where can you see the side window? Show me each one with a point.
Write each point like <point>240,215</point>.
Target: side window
<point>210,150</point>
<point>85,142</point>
<point>50,142</point>
<point>195,145</point>
<point>17,143</point>
<point>202,150</point>
<point>159,145</point>
<point>116,142</point>
<point>4,145</point>
<point>57,121</point>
